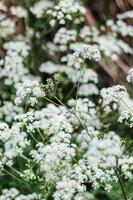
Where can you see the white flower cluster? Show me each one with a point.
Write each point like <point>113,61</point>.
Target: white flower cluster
<point>7,25</point>
<point>126,117</point>
<point>40,7</point>
<point>112,47</point>
<point>14,70</point>
<point>97,166</point>
<point>73,184</point>
<point>88,31</point>
<point>108,44</point>
<point>101,158</point>
<point>49,119</point>
<point>89,75</point>
<point>63,37</point>
<point>2,6</point>
<point>18,11</point>
<point>63,147</point>
<point>14,140</point>
<point>54,159</point>
<point>104,152</point>
<point>88,79</point>
<point>85,136</point>
<point>68,60</point>
<point>19,47</point>
<point>127,14</point>
<point>29,91</point>
<point>90,52</point>
<point>86,111</point>
<point>14,194</point>
<point>67,188</point>
<point>88,89</point>
<point>65,10</point>
<point>9,111</point>
<point>126,165</point>
<point>130,75</point>
<point>111,96</point>
<point>50,67</point>
<point>121,27</point>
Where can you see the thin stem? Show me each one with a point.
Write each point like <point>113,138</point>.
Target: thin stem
<point>51,101</point>
<point>75,116</point>
<point>80,73</point>
<point>27,17</point>
<point>25,158</point>
<point>69,111</point>
<point>60,102</point>
<point>126,105</point>
<point>15,170</point>
<point>33,137</point>
<point>130,145</point>
<point>121,184</point>
<point>41,135</point>
<point>83,125</point>
<point>68,95</point>
<point>14,176</point>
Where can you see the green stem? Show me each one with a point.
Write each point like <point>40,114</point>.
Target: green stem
<point>69,111</point>
<point>25,158</point>
<point>12,175</point>
<point>15,170</point>
<point>51,101</point>
<point>75,116</point>
<point>33,137</point>
<point>41,135</point>
<point>128,147</point>
<point>80,73</point>
<point>121,184</point>
<point>60,102</point>
<point>126,105</point>
<point>68,95</point>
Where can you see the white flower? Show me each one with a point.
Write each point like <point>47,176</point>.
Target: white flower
<point>31,90</point>
<point>130,75</point>
<point>33,101</point>
<point>92,53</point>
<point>127,14</point>
<point>111,96</point>
<point>85,51</point>
<point>54,159</point>
<point>13,193</point>
<point>18,11</point>
<point>37,92</point>
<point>86,111</point>
<point>126,165</point>
<point>14,140</point>
<point>63,37</point>
<point>14,70</point>
<point>65,10</point>
<point>76,55</point>
<point>7,25</point>
<point>9,111</point>
<point>104,152</point>
<point>126,117</point>
<point>88,89</point>
<point>39,7</point>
